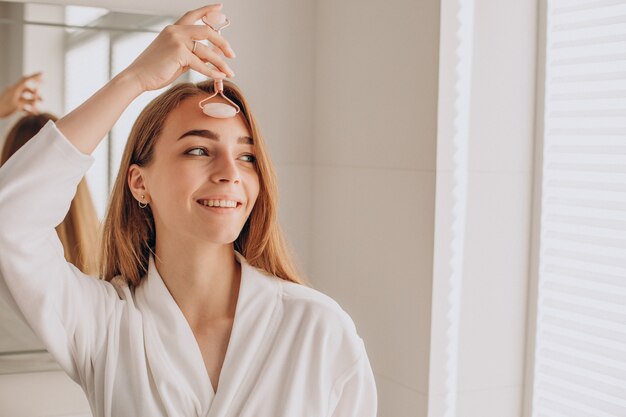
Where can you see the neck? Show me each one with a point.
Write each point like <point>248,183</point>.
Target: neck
<point>204,281</point>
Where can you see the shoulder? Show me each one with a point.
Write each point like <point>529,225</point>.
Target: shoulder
<point>322,314</point>
<point>298,296</point>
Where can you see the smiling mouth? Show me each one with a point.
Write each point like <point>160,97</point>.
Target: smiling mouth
<point>218,209</point>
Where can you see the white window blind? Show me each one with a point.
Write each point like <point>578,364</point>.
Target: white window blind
<point>580,352</point>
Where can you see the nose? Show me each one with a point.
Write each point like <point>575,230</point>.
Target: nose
<point>225,170</point>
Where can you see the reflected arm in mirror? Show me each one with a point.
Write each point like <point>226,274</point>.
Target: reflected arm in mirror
<point>21,96</point>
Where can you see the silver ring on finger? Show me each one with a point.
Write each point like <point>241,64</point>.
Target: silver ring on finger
<point>193,50</point>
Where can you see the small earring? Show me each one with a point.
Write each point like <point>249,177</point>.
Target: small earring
<point>144,206</point>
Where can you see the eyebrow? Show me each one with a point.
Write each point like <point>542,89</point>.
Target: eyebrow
<point>209,134</point>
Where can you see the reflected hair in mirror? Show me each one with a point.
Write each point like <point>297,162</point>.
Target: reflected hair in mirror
<point>78,231</point>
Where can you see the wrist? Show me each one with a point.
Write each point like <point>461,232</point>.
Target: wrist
<point>128,82</point>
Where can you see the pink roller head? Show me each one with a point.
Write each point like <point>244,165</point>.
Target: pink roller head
<point>218,110</point>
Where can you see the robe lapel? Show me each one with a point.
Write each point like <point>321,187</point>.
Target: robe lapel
<point>173,353</point>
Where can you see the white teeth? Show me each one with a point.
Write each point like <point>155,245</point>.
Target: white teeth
<point>219,203</point>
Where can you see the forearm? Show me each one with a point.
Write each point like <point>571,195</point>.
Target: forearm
<point>89,123</point>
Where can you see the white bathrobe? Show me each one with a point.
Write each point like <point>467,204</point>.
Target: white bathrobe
<point>293,351</point>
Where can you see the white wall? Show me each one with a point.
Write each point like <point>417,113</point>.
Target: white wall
<point>10,69</point>
<point>499,210</point>
<point>497,247</point>
<point>44,57</point>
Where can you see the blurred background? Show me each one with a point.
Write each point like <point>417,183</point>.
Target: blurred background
<point>452,173</point>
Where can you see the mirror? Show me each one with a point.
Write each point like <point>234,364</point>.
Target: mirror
<point>78,49</point>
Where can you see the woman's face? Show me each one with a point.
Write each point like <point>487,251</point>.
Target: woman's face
<point>199,158</point>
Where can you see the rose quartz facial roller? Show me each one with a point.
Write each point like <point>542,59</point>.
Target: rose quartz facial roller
<point>219,110</point>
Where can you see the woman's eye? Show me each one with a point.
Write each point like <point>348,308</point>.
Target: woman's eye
<point>200,151</point>
<point>196,149</point>
<point>252,158</point>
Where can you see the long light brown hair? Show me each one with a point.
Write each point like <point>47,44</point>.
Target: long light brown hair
<point>129,234</point>
<point>78,232</point>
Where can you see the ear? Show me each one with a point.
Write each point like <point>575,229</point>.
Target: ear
<point>137,183</point>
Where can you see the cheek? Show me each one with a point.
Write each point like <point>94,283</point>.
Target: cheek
<point>173,184</point>
<point>253,186</point>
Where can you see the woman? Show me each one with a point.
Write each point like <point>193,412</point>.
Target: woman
<point>191,294</point>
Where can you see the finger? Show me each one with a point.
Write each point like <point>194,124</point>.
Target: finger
<point>214,49</point>
<point>205,32</point>
<point>31,110</point>
<point>217,50</point>
<point>34,93</point>
<point>25,107</point>
<point>34,109</point>
<point>26,78</point>
<point>205,53</point>
<point>192,16</point>
<point>214,19</point>
<point>27,101</point>
<point>196,64</point>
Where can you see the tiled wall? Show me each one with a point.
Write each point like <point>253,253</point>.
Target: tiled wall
<point>41,394</point>
<point>374,182</point>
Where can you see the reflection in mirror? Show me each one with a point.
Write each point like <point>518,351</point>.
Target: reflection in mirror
<point>78,49</point>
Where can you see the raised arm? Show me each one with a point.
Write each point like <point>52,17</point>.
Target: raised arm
<point>165,59</point>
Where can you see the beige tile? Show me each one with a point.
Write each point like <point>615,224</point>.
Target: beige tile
<point>376,99</point>
<point>437,405</point>
<point>295,185</point>
<point>493,322</point>
<point>287,128</point>
<point>496,402</point>
<point>54,394</point>
<point>397,400</point>
<point>274,67</point>
<point>372,252</point>
<point>332,222</point>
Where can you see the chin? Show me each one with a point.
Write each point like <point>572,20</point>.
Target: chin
<point>220,238</point>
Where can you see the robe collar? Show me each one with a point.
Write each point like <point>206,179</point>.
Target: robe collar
<point>173,354</point>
